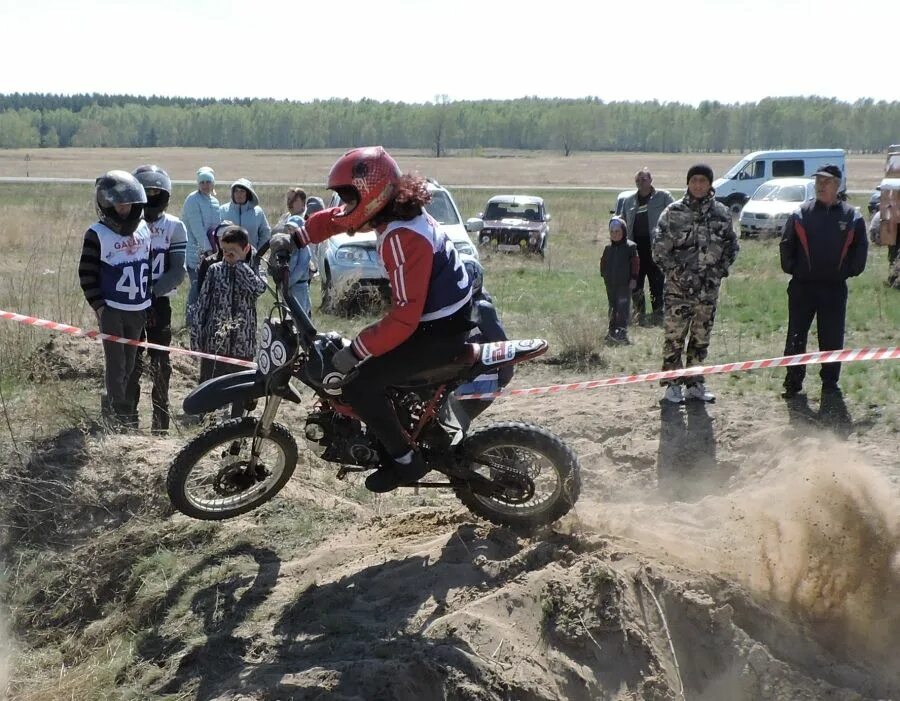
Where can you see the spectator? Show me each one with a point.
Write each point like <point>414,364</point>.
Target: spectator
<point>694,245</point>
<point>300,267</point>
<point>488,329</point>
<point>114,272</point>
<point>225,319</point>
<point>244,211</point>
<point>199,213</point>
<point>168,240</point>
<point>641,213</point>
<point>619,266</point>
<point>824,243</point>
<point>296,206</point>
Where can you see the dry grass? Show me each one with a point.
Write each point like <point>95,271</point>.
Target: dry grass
<point>463,168</point>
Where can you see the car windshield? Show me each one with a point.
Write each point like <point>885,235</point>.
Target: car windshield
<point>441,208</point>
<point>735,169</point>
<point>780,193</point>
<point>511,210</point>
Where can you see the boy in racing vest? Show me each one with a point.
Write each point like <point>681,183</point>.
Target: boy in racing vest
<point>168,244</point>
<point>114,272</point>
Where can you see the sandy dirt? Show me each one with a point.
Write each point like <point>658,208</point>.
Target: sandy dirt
<point>733,551</point>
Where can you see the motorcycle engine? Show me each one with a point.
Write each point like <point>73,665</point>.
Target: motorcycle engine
<point>337,438</point>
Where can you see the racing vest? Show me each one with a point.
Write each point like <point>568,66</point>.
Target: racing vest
<point>449,288</point>
<point>124,267</point>
<point>161,232</point>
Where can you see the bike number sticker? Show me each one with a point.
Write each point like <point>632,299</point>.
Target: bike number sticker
<point>499,352</point>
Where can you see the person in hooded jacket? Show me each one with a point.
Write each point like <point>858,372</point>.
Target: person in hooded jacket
<point>694,245</point>
<point>620,266</point>
<point>114,272</point>
<point>199,212</point>
<point>244,211</point>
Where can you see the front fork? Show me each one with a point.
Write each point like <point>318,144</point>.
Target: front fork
<point>264,428</point>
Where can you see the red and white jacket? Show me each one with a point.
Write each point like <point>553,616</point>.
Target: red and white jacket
<point>427,278</point>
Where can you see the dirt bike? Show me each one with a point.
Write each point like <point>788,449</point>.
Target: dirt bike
<point>510,473</point>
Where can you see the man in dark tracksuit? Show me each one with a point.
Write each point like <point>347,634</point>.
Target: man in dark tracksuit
<point>824,243</point>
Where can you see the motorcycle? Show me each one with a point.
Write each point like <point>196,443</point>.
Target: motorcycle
<point>511,473</point>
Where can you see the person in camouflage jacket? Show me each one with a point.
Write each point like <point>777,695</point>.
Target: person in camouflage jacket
<point>694,245</point>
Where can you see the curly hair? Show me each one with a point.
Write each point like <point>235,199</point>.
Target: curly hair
<point>410,197</point>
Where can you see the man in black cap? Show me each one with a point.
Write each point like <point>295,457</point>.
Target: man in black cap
<point>694,245</point>
<point>824,243</point>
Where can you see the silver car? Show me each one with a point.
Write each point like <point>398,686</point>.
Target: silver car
<point>350,270</point>
<point>767,211</point>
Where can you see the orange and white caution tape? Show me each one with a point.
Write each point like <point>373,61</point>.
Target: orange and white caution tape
<point>96,335</point>
<point>819,357</point>
<point>816,358</point>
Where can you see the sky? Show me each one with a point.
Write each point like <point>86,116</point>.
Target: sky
<point>402,50</point>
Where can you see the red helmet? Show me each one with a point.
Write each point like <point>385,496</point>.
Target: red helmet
<point>371,175</point>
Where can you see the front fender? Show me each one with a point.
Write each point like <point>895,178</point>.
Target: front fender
<point>240,386</point>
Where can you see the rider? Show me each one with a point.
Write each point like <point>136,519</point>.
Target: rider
<point>428,321</point>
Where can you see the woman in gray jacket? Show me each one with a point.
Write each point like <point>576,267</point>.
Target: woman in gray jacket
<point>244,210</point>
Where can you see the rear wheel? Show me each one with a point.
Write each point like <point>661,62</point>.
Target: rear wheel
<point>211,478</point>
<point>537,472</point>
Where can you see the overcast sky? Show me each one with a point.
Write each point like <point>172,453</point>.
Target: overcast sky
<point>731,50</point>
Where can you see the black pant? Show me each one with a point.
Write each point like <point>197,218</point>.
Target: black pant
<point>650,271</point>
<point>431,345</point>
<point>619,304</point>
<point>827,302</point>
<point>159,330</point>
<point>119,359</point>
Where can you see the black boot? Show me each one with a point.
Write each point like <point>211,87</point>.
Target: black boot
<point>393,474</point>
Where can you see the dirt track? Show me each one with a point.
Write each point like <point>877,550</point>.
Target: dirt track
<point>731,552</point>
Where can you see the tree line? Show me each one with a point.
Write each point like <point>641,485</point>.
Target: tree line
<point>565,125</point>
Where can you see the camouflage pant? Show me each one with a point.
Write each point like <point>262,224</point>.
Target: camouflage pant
<point>894,272</point>
<point>688,319</point>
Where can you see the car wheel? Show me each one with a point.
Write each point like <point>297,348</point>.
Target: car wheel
<point>327,291</point>
<point>735,205</point>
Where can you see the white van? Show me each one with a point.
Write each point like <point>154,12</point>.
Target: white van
<point>740,182</point>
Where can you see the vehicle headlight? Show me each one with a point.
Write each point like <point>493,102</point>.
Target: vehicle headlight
<point>465,248</point>
<point>352,254</point>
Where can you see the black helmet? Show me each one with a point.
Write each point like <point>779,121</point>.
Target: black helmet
<point>151,176</point>
<point>313,205</point>
<point>119,187</point>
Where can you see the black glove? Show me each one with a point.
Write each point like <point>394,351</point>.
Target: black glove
<point>344,360</point>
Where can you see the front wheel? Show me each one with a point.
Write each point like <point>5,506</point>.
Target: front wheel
<point>499,451</point>
<point>212,477</point>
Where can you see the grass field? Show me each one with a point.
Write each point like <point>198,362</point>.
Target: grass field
<point>560,298</point>
<point>106,591</point>
<point>463,168</point>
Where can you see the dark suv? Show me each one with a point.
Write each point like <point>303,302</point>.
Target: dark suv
<point>513,223</point>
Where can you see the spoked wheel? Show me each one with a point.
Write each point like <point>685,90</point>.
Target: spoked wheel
<point>215,477</point>
<point>536,473</point>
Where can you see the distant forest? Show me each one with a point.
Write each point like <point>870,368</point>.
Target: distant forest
<point>50,121</point>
